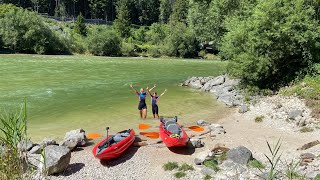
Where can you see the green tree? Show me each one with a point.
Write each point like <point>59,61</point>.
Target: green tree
<point>180,11</point>
<point>24,31</point>
<point>166,7</point>
<point>80,27</point>
<point>122,23</point>
<point>273,45</point>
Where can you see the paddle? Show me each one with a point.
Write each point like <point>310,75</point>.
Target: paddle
<point>93,136</point>
<point>193,128</point>
<point>152,135</point>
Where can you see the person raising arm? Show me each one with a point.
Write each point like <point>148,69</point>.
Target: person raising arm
<point>154,102</point>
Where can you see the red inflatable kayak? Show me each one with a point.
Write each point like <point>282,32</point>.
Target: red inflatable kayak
<point>113,146</point>
<point>172,134</point>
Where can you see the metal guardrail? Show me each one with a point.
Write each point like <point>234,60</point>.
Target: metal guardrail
<point>87,21</point>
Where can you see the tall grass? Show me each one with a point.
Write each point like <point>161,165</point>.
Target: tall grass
<point>274,160</point>
<point>13,129</point>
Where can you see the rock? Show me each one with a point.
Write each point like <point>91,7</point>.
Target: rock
<point>35,160</point>
<point>307,156</point>
<point>207,171</point>
<point>231,82</point>
<point>24,145</point>
<point>196,143</point>
<point>202,122</point>
<point>35,150</point>
<point>57,159</point>
<point>230,165</point>
<point>243,108</point>
<point>216,129</point>
<point>294,114</point>
<point>195,84</point>
<point>217,81</point>
<point>202,156</point>
<point>240,155</point>
<point>75,138</point>
<point>70,143</point>
<point>46,142</point>
<point>227,98</point>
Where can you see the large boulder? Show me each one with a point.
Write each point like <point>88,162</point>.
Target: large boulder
<point>75,138</point>
<point>25,145</point>
<point>240,155</point>
<point>217,81</point>
<point>202,156</point>
<point>57,159</point>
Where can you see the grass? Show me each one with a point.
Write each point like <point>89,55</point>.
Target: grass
<point>256,164</point>
<point>13,129</point>
<point>309,89</point>
<point>213,164</point>
<point>291,172</point>
<point>207,177</point>
<point>179,174</point>
<point>186,167</point>
<point>258,119</point>
<point>273,160</point>
<point>169,166</point>
<point>306,129</point>
<point>317,177</point>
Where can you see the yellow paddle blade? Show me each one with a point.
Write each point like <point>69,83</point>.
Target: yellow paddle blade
<point>93,136</point>
<point>152,135</point>
<point>196,128</point>
<point>144,126</point>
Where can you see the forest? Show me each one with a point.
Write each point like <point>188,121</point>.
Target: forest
<point>267,43</point>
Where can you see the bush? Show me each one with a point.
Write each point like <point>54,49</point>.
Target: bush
<point>24,31</point>
<point>80,26</point>
<point>128,49</point>
<point>180,42</point>
<point>273,45</point>
<point>156,33</point>
<point>140,34</point>
<point>5,8</point>
<point>103,42</point>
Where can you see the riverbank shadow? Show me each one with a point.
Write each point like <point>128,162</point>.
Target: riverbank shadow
<point>125,156</point>
<point>186,150</point>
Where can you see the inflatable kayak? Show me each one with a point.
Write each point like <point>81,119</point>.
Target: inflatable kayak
<point>113,146</point>
<point>172,133</point>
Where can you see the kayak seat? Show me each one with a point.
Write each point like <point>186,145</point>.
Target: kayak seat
<point>167,123</point>
<point>120,136</point>
<point>174,128</point>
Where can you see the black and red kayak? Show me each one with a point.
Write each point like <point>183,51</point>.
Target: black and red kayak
<point>113,146</point>
<point>171,133</point>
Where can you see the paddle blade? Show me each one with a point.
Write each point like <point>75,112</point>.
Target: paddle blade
<point>144,126</point>
<point>196,128</point>
<point>152,135</point>
<point>93,136</point>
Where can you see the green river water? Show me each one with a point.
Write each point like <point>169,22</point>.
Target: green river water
<point>70,92</point>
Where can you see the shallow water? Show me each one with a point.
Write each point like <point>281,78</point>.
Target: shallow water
<point>69,92</point>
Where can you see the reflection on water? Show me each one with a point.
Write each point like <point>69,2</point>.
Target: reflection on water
<point>68,92</point>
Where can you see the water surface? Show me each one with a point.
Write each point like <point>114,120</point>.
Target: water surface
<point>69,92</point>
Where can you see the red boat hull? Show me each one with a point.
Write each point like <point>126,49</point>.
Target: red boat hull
<point>173,142</point>
<point>114,150</point>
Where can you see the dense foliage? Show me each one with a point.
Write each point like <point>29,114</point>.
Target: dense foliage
<point>24,31</point>
<point>273,45</point>
<point>104,42</point>
<point>268,43</point>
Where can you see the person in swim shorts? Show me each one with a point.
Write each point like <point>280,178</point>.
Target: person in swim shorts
<point>154,102</point>
<point>142,106</point>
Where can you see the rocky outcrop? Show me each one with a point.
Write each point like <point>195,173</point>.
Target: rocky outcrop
<point>75,138</point>
<point>240,155</point>
<point>221,86</point>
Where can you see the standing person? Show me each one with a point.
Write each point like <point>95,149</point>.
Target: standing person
<point>154,102</point>
<point>142,107</point>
